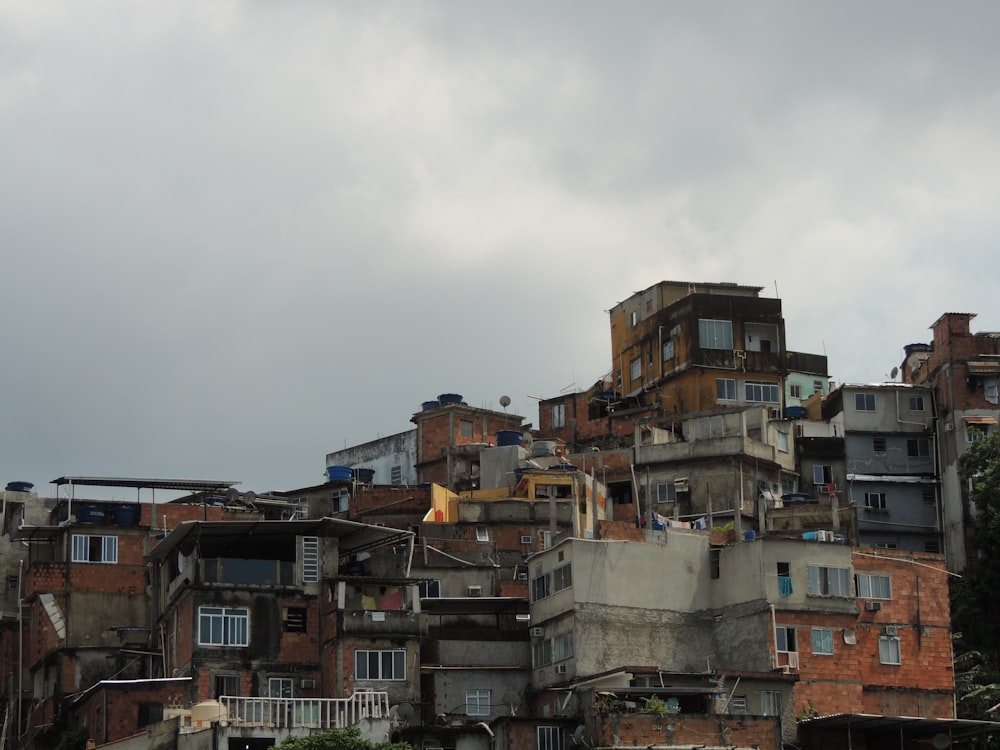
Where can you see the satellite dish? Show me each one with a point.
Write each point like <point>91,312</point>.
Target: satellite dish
<point>505,401</point>
<point>513,700</point>
<point>893,373</point>
<point>578,734</point>
<point>250,497</point>
<point>232,496</point>
<point>940,741</point>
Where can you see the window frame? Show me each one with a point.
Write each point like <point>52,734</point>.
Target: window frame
<point>759,391</point>
<point>785,635</point>
<point>917,403</point>
<point>827,474</point>
<point>770,703</point>
<point>875,501</point>
<point>873,586</point>
<point>668,352</point>
<point>918,448</point>
<point>562,647</point>
<point>725,389</point>
<point>362,659</point>
<point>715,334</point>
<point>233,625</point>
<point>84,546</point>
<point>889,647</point>
<point>429,589</point>
<point>821,640</point>
<point>864,399</point>
<point>880,446</point>
<point>794,390</point>
<point>666,492</point>
<point>474,702</point>
<point>282,684</point>
<point>548,737</point>
<point>635,369</point>
<point>559,414</point>
<point>827,578</point>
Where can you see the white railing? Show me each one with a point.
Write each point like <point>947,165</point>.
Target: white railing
<point>315,713</point>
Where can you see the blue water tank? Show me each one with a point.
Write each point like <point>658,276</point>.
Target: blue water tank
<point>125,515</point>
<point>19,486</point>
<point>795,412</point>
<point>338,473</point>
<point>749,535</point>
<point>429,405</point>
<point>450,398</point>
<point>90,514</point>
<point>509,437</point>
<point>365,476</point>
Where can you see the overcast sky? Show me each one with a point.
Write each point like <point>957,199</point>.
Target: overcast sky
<point>236,236</point>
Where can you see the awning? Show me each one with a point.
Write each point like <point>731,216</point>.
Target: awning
<point>983,368</point>
<point>979,420</point>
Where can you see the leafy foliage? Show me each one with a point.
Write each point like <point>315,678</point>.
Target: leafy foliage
<point>339,739</point>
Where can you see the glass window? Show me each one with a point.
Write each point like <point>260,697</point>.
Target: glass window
<point>725,389</point>
<point>715,334</point>
<point>477,702</point>
<point>770,703</point>
<point>380,665</point>
<point>822,474</point>
<point>974,432</point>
<point>878,446</point>
<point>558,415</point>
<point>875,500</point>
<point>95,549</point>
<point>822,641</point>
<point>219,626</point>
<point>864,402</point>
<point>825,581</point>
<point>310,558</point>
<point>795,391</point>
<point>666,492</point>
<point>766,393</point>
<point>430,589</point>
<point>888,650</point>
<point>918,447</point>
<point>541,653</point>
<point>225,684</point>
<point>916,403</point>
<point>549,738</point>
<point>562,647</point>
<point>562,577</point>
<point>783,442</point>
<point>280,687</point>
<point>873,586</point>
<point>668,350</point>
<point>540,586</point>
<point>635,368</point>
<point>785,639</point>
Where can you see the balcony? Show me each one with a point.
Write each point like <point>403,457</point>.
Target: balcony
<point>311,713</point>
<point>401,623</point>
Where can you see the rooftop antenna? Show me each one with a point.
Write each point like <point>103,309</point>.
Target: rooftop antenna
<point>505,402</point>
<point>893,373</point>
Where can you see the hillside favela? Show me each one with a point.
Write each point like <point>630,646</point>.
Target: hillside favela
<point>717,544</point>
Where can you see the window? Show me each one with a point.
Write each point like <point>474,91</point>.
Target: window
<point>822,474</point>
<point>817,386</point>
<point>549,738</point>
<point>784,579</point>
<point>95,549</point>
<point>339,500</point>
<point>785,639</point>
<point>864,402</point>
<point>874,501</point>
<point>783,442</point>
<point>558,415</point>
<point>634,318</point>
<point>795,391</point>
<point>822,641</point>
<point>293,619</point>
<point>873,586</point>
<point>482,534</point>
<point>766,393</point>
<point>562,647</point>
<point>666,492</point>
<point>562,577</point>
<point>668,350</point>
<point>918,447</point>
<point>825,581</point>
<point>465,428</point>
<point>225,684</point>
<point>974,432</point>
<point>396,475</point>
<point>540,587</point>
<point>878,446</point>
<point>715,334</point>
<point>380,665</point>
<point>770,703</point>
<point>279,687</point>
<point>932,546</point>
<point>302,506</point>
<point>429,589</point>
<point>310,558</point>
<point>219,626</point>
<point>916,403</point>
<point>541,654</point>
<point>477,702</point>
<point>929,495</point>
<point>12,583</point>
<point>635,368</point>
<point>738,704</point>
<point>725,389</point>
<point>884,545</point>
<point>888,650</point>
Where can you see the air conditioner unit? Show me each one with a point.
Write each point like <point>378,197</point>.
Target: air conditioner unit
<point>560,669</point>
<point>526,539</point>
<point>522,576</point>
<point>824,489</point>
<point>475,591</point>
<point>307,684</point>
<point>889,630</point>
<point>537,632</point>
<point>873,606</point>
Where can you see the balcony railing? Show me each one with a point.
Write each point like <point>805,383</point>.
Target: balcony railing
<point>314,713</point>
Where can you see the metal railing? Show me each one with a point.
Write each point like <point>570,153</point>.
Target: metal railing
<point>315,713</point>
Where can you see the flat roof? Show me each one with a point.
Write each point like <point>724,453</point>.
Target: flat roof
<point>183,485</point>
<point>908,726</point>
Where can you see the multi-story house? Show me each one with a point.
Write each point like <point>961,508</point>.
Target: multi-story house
<point>777,627</point>
<point>963,368</point>
<point>889,460</point>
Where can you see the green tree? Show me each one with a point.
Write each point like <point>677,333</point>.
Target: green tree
<point>975,600</point>
<point>340,739</point>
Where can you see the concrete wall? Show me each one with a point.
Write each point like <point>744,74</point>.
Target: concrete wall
<point>381,455</point>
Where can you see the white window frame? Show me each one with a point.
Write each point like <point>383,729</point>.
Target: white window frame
<point>820,472</point>
<point>782,441</point>
<point>889,651</point>
<point>784,635</point>
<point>824,580</point>
<point>794,390</point>
<point>770,703</point>
<point>310,558</point>
<point>879,445</point>
<point>822,641</point>
<point>738,704</point>
<point>540,587</point>
<point>341,500</point>
<point>559,415</point>
<point>548,738</point>
<point>106,550</point>
<point>975,432</point>
<point>482,533</point>
<point>873,586</point>
<point>390,665</point>
<point>865,402</point>
<point>635,369</point>
<point>474,702</point>
<point>396,475</point>
<point>761,392</point>
<point>875,501</point>
<point>562,647</point>
<point>668,350</point>
<point>224,626</point>
<point>280,687</point>
<point>666,492</point>
<point>725,389</point>
<point>916,403</point>
<point>562,577</point>
<point>429,589</point>
<point>715,334</point>
<point>541,653</point>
